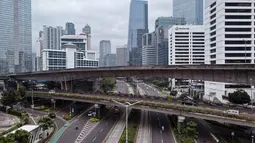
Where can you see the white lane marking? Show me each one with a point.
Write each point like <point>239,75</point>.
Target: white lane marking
<point>101,130</point>
<point>94,139</point>
<point>162,141</point>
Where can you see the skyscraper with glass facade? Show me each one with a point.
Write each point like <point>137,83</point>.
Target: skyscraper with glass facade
<point>70,28</point>
<point>191,10</point>
<point>138,25</point>
<point>15,37</point>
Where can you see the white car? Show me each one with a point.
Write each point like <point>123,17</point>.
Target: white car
<point>233,112</point>
<point>90,114</point>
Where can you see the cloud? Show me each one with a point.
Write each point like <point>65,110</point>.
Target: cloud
<point>107,18</point>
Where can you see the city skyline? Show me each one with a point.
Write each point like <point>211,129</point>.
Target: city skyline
<point>43,15</point>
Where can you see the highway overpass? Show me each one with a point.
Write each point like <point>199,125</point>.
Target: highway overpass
<point>222,73</point>
<point>157,106</point>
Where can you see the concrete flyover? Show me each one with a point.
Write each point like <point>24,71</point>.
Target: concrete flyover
<point>194,112</point>
<point>232,73</point>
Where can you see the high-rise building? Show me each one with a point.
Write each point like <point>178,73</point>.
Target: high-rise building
<point>186,45</point>
<point>229,35</point>
<point>70,28</point>
<point>51,37</point>
<point>110,60</point>
<point>191,10</point>
<point>162,24</point>
<point>104,49</point>
<point>87,31</point>
<point>39,48</point>
<point>149,52</point>
<point>122,56</point>
<point>138,25</point>
<point>16,36</point>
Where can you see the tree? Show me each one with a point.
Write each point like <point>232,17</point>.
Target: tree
<point>191,130</point>
<point>22,92</point>
<point>107,84</point>
<point>239,97</point>
<point>10,98</point>
<point>45,123</point>
<point>21,136</point>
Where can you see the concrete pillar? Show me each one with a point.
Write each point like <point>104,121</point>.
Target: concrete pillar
<point>62,85</point>
<point>180,120</point>
<point>69,86</point>
<point>19,84</point>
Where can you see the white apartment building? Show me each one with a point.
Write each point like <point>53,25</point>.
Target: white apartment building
<point>51,37</point>
<point>149,51</point>
<point>229,34</point>
<point>73,54</point>
<point>186,46</point>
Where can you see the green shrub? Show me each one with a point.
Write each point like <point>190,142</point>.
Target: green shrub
<point>67,117</point>
<point>94,119</point>
<point>169,98</point>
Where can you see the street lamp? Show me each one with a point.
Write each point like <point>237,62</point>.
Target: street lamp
<point>126,105</point>
<point>252,139</point>
<point>232,134</point>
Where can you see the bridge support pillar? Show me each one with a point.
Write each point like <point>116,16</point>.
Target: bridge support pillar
<point>180,120</point>
<point>62,85</point>
<point>19,84</point>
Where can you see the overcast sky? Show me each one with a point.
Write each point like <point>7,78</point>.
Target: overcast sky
<point>107,18</point>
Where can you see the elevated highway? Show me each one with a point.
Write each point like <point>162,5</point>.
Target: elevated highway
<point>244,119</point>
<point>233,73</point>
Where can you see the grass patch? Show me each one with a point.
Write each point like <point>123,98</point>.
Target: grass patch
<point>94,119</point>
<point>133,126</point>
<point>164,92</point>
<point>67,117</point>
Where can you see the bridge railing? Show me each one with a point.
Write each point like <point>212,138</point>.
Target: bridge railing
<point>148,103</point>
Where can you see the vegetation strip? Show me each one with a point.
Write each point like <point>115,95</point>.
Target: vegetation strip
<point>133,126</point>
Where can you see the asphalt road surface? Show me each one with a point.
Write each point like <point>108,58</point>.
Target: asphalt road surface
<point>70,134</point>
<point>157,121</point>
<point>150,91</point>
<point>99,133</point>
<point>121,86</point>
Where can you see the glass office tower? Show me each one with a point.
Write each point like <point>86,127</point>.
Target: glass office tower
<point>15,37</point>
<point>191,10</point>
<point>138,25</point>
<point>70,28</point>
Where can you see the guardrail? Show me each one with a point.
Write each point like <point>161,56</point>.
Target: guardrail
<point>103,99</point>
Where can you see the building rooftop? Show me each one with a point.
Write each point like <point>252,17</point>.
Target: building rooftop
<point>74,36</point>
<point>28,128</point>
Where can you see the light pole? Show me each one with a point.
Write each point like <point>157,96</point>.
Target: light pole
<point>232,134</point>
<point>252,139</point>
<point>32,106</point>
<point>126,105</point>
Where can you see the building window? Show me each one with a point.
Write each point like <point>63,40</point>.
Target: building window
<point>238,4</point>
<point>237,48</point>
<point>237,35</point>
<point>237,29</point>
<point>213,62</point>
<point>213,27</point>
<point>237,23</point>
<point>213,39</point>
<point>213,22</point>
<point>238,10</point>
<point>213,33</point>
<point>213,56</point>
<point>213,45</point>
<point>213,4</point>
<point>238,55</point>
<point>237,17</point>
<point>213,10</point>
<point>213,51</point>
<point>213,16</point>
<point>237,61</point>
<point>238,42</point>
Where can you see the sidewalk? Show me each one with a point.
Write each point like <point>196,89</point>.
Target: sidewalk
<point>116,133</point>
<point>144,132</point>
